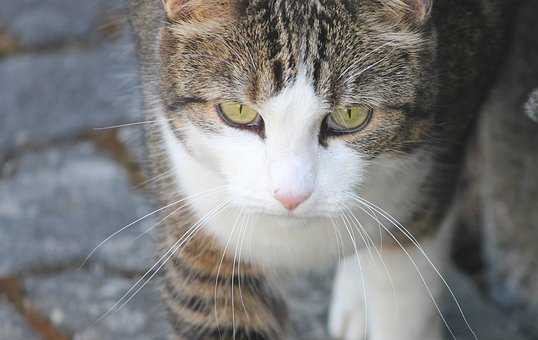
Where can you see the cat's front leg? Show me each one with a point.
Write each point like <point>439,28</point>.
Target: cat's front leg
<point>398,304</point>
<point>402,297</point>
<point>347,318</point>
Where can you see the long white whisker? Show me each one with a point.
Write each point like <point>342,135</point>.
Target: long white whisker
<point>126,125</point>
<point>154,179</point>
<point>245,229</point>
<point>158,265</point>
<point>148,230</point>
<point>438,273</point>
<point>143,218</point>
<point>383,263</point>
<point>125,228</point>
<point>232,287</point>
<point>339,241</point>
<point>239,216</point>
<point>360,231</point>
<point>363,279</point>
<point>423,253</point>
<point>195,230</point>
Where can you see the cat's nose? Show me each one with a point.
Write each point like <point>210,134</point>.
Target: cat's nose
<point>291,201</point>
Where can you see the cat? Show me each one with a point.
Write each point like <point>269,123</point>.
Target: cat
<point>289,135</point>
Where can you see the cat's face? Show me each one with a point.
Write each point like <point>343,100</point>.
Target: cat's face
<point>291,104</point>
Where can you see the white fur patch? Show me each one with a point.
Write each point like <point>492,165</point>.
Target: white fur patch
<point>289,159</point>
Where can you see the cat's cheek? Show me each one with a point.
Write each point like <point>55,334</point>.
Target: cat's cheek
<point>341,172</point>
<point>243,163</point>
<point>200,147</point>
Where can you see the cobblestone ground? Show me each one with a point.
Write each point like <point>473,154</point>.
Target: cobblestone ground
<point>66,68</point>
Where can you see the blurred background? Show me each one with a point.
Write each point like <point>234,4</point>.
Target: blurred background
<point>70,177</point>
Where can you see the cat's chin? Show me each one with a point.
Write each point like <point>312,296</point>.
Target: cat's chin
<point>290,217</point>
<point>281,241</point>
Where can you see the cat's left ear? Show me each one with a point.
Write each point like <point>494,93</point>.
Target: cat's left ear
<point>416,12</point>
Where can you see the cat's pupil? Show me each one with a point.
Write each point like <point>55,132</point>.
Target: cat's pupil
<point>349,113</point>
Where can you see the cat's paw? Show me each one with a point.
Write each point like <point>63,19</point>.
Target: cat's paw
<point>347,314</point>
<point>347,322</point>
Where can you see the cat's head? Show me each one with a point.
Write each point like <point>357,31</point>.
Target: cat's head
<point>290,103</point>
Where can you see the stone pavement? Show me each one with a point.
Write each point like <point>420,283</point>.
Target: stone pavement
<point>66,68</point>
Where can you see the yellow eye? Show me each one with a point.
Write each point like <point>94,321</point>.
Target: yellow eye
<point>349,119</point>
<point>237,114</point>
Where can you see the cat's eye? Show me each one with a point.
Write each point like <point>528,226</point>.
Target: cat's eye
<point>349,119</point>
<point>237,114</point>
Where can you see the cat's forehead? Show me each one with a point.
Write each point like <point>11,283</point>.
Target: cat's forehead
<point>343,47</point>
<point>323,39</point>
<point>296,10</point>
<point>296,35</point>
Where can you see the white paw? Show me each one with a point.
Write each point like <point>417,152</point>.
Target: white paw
<point>347,319</point>
<point>348,324</point>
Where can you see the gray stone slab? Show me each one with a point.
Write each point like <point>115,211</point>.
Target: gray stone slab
<point>60,95</point>
<point>485,318</point>
<point>75,301</point>
<point>308,298</point>
<point>12,326</point>
<point>36,23</point>
<point>61,203</point>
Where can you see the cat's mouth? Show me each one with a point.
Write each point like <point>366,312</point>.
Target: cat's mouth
<point>297,215</point>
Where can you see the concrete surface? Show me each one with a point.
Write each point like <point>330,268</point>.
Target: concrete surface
<point>65,187</point>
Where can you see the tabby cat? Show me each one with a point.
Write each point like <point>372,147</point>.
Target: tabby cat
<point>296,134</point>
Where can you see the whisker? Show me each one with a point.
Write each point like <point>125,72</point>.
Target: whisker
<point>199,226</point>
<point>413,240</point>
<point>119,126</point>
<point>245,230</point>
<point>239,216</point>
<point>339,241</point>
<point>173,249</point>
<point>232,288</point>
<point>125,228</point>
<point>155,225</point>
<point>143,218</point>
<point>363,280</point>
<point>383,263</point>
<point>360,230</point>
<point>154,179</point>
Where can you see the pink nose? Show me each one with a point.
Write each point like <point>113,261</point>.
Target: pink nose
<point>290,201</point>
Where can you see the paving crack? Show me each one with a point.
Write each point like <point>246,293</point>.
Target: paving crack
<point>12,289</point>
<point>107,142</point>
<point>8,45</point>
<point>108,28</point>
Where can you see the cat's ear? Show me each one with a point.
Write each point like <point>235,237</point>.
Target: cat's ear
<point>415,12</point>
<point>173,7</point>
<point>197,10</point>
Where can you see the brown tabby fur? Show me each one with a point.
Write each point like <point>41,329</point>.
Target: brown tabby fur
<point>433,65</point>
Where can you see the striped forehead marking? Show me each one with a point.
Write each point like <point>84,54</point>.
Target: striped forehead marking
<point>296,32</point>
